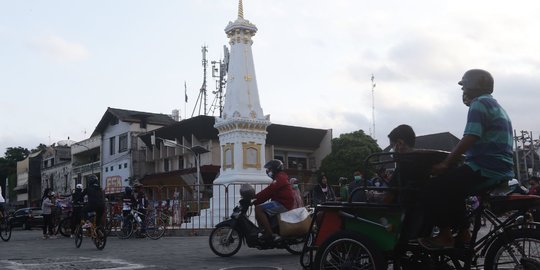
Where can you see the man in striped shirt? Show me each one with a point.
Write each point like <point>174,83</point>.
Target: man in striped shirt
<point>487,145</point>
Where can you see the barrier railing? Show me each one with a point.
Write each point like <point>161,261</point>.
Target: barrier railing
<point>215,204</point>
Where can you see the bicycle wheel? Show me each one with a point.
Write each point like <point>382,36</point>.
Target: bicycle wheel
<point>100,238</point>
<point>65,227</point>
<point>225,241</point>
<point>155,228</point>
<point>126,228</point>
<point>515,249</point>
<point>346,250</point>
<point>5,230</point>
<point>78,236</point>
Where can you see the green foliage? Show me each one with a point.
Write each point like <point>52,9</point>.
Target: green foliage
<point>14,154</point>
<point>348,154</point>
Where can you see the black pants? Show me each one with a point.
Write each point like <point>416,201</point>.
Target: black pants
<point>75,217</point>
<point>444,196</point>
<point>47,224</point>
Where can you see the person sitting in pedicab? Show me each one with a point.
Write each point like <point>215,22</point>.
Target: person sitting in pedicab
<point>487,145</point>
<point>279,192</point>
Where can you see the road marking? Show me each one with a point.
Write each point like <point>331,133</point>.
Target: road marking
<point>72,263</point>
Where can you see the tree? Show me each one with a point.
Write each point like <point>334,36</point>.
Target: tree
<point>8,168</point>
<point>40,147</point>
<point>349,152</point>
<point>14,154</point>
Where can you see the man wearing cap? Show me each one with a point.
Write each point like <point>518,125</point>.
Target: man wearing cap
<point>487,145</point>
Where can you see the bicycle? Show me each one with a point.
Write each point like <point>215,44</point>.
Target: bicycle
<point>98,235</point>
<point>154,224</point>
<point>5,226</point>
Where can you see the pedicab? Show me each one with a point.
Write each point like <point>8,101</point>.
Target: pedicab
<point>378,234</point>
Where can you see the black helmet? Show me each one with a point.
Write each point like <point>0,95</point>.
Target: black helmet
<point>128,190</point>
<point>476,82</point>
<point>93,181</point>
<point>275,165</point>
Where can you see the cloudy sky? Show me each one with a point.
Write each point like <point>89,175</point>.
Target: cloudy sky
<point>62,63</point>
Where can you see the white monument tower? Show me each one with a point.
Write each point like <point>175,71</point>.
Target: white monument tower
<point>242,127</point>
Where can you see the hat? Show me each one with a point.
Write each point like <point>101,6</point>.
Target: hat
<point>293,180</point>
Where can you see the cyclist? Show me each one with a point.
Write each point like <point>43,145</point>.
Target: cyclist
<point>487,144</point>
<point>128,201</point>
<point>2,202</point>
<point>142,204</point>
<point>96,201</point>
<point>77,201</point>
<point>280,193</point>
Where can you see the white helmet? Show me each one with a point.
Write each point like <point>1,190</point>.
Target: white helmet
<point>78,186</point>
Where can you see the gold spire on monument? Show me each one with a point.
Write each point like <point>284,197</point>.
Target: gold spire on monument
<point>240,10</point>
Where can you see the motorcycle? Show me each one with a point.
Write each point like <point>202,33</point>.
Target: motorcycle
<point>227,237</point>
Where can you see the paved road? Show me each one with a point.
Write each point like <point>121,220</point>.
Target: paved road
<point>26,250</point>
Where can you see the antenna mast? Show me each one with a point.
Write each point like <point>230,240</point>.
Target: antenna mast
<point>219,71</point>
<point>373,104</point>
<point>201,99</point>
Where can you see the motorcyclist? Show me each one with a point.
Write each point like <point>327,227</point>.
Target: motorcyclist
<point>279,192</point>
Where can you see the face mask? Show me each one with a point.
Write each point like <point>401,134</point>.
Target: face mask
<point>357,178</point>
<point>295,186</point>
<point>270,174</point>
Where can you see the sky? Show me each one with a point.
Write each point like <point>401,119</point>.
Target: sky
<point>62,63</point>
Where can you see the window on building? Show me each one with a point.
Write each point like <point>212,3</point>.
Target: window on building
<point>106,169</point>
<point>299,163</point>
<point>114,121</point>
<point>180,163</point>
<point>112,168</point>
<point>125,165</point>
<point>143,123</point>
<point>166,165</point>
<point>119,166</point>
<point>122,143</point>
<point>111,145</point>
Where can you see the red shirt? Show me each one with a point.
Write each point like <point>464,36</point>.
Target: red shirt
<point>279,190</point>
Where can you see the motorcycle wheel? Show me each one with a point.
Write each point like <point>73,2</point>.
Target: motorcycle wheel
<point>225,241</point>
<point>295,246</point>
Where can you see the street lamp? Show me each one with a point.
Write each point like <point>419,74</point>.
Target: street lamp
<point>197,150</point>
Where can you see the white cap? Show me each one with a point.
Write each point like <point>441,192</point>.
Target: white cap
<point>79,186</point>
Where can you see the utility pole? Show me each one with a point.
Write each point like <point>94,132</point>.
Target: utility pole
<point>372,132</point>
